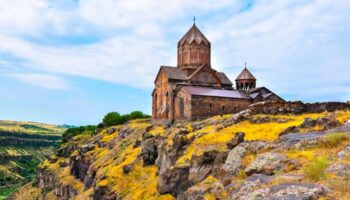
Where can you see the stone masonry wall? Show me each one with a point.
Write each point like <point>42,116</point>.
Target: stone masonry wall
<point>204,106</point>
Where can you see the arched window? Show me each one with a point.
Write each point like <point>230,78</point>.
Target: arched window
<point>210,105</point>
<point>222,107</point>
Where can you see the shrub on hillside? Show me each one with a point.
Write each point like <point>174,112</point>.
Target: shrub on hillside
<point>138,115</point>
<point>71,132</point>
<point>315,170</point>
<point>114,118</point>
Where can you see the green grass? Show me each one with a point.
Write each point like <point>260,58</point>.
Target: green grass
<point>333,140</point>
<point>315,170</point>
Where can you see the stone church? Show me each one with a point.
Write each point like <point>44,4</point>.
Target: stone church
<point>194,90</point>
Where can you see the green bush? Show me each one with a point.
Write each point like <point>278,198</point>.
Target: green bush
<point>110,119</point>
<point>138,115</point>
<point>332,140</point>
<point>71,132</point>
<point>114,118</point>
<point>315,170</point>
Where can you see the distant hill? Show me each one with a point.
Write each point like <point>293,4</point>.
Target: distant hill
<point>32,127</point>
<point>23,145</point>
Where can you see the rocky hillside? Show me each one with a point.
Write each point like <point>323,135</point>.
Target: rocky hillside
<point>23,145</point>
<point>269,151</point>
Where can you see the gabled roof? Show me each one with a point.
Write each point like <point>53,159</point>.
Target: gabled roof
<point>223,78</point>
<point>258,89</point>
<point>245,75</point>
<point>176,73</point>
<point>254,95</point>
<point>194,35</point>
<point>173,73</point>
<point>204,91</point>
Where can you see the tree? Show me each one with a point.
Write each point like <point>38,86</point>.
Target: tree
<point>137,115</point>
<point>114,118</point>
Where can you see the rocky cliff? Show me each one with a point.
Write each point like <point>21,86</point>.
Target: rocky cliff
<point>269,151</point>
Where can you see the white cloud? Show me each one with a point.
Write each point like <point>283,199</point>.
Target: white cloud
<point>42,80</point>
<point>292,46</point>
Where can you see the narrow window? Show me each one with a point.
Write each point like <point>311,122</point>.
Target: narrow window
<point>210,105</point>
<point>223,108</point>
<point>166,94</point>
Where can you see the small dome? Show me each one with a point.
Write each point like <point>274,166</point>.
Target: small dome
<point>194,35</point>
<point>245,75</point>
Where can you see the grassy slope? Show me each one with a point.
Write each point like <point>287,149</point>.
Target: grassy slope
<point>30,127</point>
<point>141,182</point>
<point>14,173</point>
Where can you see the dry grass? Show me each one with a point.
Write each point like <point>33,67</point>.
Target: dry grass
<point>315,170</point>
<point>333,140</point>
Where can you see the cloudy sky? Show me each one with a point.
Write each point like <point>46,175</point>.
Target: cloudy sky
<point>72,61</point>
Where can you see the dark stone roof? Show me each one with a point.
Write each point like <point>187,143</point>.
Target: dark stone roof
<point>176,73</point>
<point>194,35</point>
<point>257,89</point>
<point>204,91</point>
<point>263,91</point>
<point>223,78</point>
<point>245,75</point>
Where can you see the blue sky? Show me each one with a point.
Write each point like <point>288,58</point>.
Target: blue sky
<point>71,61</point>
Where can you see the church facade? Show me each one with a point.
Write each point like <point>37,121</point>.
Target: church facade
<point>194,90</point>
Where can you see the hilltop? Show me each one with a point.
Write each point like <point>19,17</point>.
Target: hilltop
<point>23,145</point>
<point>286,150</point>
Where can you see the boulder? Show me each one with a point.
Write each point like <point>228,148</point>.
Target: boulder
<point>110,131</point>
<point>328,122</point>
<point>233,161</point>
<point>86,147</point>
<point>149,151</point>
<point>202,165</point>
<point>301,141</point>
<point>125,131</point>
<point>182,131</point>
<point>308,123</point>
<point>340,169</point>
<point>287,191</point>
<point>258,146</point>
<point>174,181</point>
<point>267,163</point>
<point>137,143</point>
<point>236,140</point>
<point>345,153</point>
<point>196,193</point>
<point>103,193</point>
<point>249,185</point>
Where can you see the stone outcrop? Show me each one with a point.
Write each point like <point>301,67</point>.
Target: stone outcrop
<point>249,186</point>
<point>345,153</point>
<point>288,191</point>
<point>340,169</point>
<point>267,163</point>
<point>236,140</point>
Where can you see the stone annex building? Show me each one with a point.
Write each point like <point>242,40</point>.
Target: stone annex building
<point>194,90</point>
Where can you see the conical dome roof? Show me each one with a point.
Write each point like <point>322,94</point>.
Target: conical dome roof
<point>245,75</point>
<point>194,35</point>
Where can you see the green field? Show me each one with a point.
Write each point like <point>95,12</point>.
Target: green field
<point>23,146</point>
